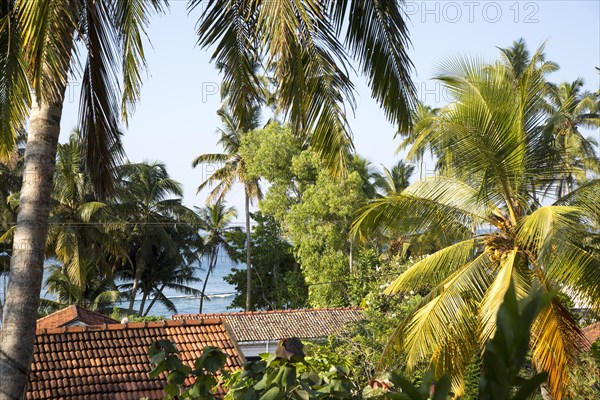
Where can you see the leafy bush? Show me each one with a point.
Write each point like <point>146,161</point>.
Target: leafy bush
<point>206,373</point>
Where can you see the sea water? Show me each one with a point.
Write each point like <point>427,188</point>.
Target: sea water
<point>220,293</point>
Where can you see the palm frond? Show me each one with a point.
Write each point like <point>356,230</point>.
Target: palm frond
<point>47,28</point>
<point>536,230</point>
<point>15,98</point>
<point>131,20</point>
<point>99,105</point>
<point>435,268</point>
<point>441,203</point>
<point>557,342</point>
<point>210,158</point>
<point>377,35</point>
<point>451,303</point>
<point>228,25</point>
<point>510,269</point>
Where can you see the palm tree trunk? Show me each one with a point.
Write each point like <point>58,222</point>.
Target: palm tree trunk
<point>134,288</point>
<point>143,303</point>
<point>211,265</point>
<point>248,254</point>
<point>139,268</point>
<point>154,300</point>
<point>29,245</point>
<point>350,256</point>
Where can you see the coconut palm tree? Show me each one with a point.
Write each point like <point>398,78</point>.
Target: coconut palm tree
<point>40,46</point>
<point>99,293</point>
<point>215,220</point>
<point>573,109</point>
<point>501,158</point>
<point>149,202</point>
<point>232,170</point>
<point>82,231</point>
<point>395,180</point>
<point>171,267</point>
<point>517,58</point>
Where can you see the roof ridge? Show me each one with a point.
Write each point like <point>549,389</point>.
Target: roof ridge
<point>129,325</point>
<point>74,312</point>
<point>57,312</point>
<point>263,312</point>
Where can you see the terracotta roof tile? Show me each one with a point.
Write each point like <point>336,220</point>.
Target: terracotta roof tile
<point>111,362</point>
<point>591,333</point>
<point>71,315</point>
<point>279,324</point>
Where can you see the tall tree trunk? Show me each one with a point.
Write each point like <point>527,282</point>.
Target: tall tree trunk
<point>134,288</point>
<point>27,261</point>
<point>137,273</point>
<point>211,264</point>
<point>154,300</point>
<point>351,255</point>
<point>142,303</point>
<point>248,254</point>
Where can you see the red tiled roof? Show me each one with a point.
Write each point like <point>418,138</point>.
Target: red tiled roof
<point>592,332</point>
<point>73,314</point>
<point>280,324</point>
<point>111,361</point>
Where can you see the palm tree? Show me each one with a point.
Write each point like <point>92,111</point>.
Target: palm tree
<point>501,157</point>
<point>302,47</point>
<point>150,203</point>
<point>517,59</point>
<point>171,267</point>
<point>215,220</point>
<point>233,170</point>
<point>81,235</point>
<point>39,43</point>
<point>99,292</point>
<point>573,109</point>
<point>395,180</point>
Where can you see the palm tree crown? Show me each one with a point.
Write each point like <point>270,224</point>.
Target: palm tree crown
<point>499,162</point>
<point>215,220</point>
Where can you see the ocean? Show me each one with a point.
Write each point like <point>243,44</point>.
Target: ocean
<point>220,293</point>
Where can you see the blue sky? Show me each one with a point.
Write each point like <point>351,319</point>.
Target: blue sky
<point>176,118</point>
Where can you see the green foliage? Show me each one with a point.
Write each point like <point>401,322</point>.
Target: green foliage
<point>595,349</point>
<point>318,227</point>
<point>288,374</point>
<point>506,352</point>
<point>313,208</point>
<point>269,152</point>
<point>206,372</point>
<point>147,318</point>
<point>277,280</point>
<point>360,346</point>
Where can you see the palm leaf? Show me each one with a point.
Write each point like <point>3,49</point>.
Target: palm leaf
<point>98,108</point>
<point>47,28</point>
<point>557,342</point>
<point>377,35</point>
<point>131,19</point>
<point>228,25</point>
<point>451,303</point>
<point>441,204</point>
<point>510,270</point>
<point>15,98</point>
<point>435,268</point>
